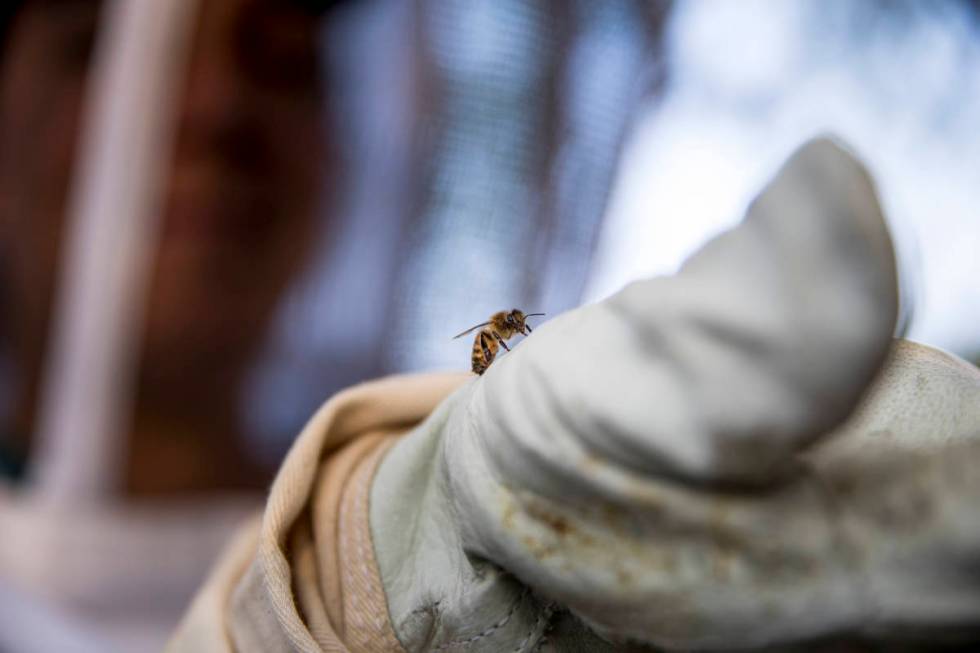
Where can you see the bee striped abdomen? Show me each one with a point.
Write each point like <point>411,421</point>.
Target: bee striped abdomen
<point>484,351</point>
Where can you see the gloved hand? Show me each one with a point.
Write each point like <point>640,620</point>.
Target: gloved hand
<point>658,468</point>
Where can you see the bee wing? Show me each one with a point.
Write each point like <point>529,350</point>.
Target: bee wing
<point>470,330</point>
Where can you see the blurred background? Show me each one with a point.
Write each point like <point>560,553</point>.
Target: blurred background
<point>214,216</point>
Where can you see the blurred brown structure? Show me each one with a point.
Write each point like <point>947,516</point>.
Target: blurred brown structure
<point>237,212</point>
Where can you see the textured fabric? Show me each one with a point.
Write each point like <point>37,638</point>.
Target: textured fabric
<point>675,467</point>
<point>306,578</point>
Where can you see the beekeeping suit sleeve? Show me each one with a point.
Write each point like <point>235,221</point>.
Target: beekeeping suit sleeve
<point>661,467</point>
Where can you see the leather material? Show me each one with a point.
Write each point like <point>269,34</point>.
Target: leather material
<point>673,466</point>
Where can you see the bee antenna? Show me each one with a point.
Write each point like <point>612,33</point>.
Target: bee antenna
<point>532,314</point>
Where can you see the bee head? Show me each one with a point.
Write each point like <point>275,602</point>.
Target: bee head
<point>517,318</point>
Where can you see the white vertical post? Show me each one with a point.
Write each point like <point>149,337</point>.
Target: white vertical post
<point>123,158</point>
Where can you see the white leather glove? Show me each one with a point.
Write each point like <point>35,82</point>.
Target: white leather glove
<point>644,470</point>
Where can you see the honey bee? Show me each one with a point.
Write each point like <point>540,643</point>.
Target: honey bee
<point>501,326</point>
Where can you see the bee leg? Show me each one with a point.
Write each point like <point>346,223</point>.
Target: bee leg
<point>501,341</point>
<point>528,327</point>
